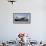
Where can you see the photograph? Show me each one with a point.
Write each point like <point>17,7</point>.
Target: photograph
<point>21,18</point>
<point>22,22</point>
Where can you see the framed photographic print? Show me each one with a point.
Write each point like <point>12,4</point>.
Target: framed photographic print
<point>21,18</point>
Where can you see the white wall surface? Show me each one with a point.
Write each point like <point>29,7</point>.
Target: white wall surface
<point>37,28</point>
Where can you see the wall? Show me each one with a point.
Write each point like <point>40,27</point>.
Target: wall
<point>37,28</point>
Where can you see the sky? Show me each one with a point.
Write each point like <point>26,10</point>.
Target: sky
<point>20,15</point>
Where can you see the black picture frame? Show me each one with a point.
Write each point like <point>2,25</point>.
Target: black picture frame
<point>21,18</point>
